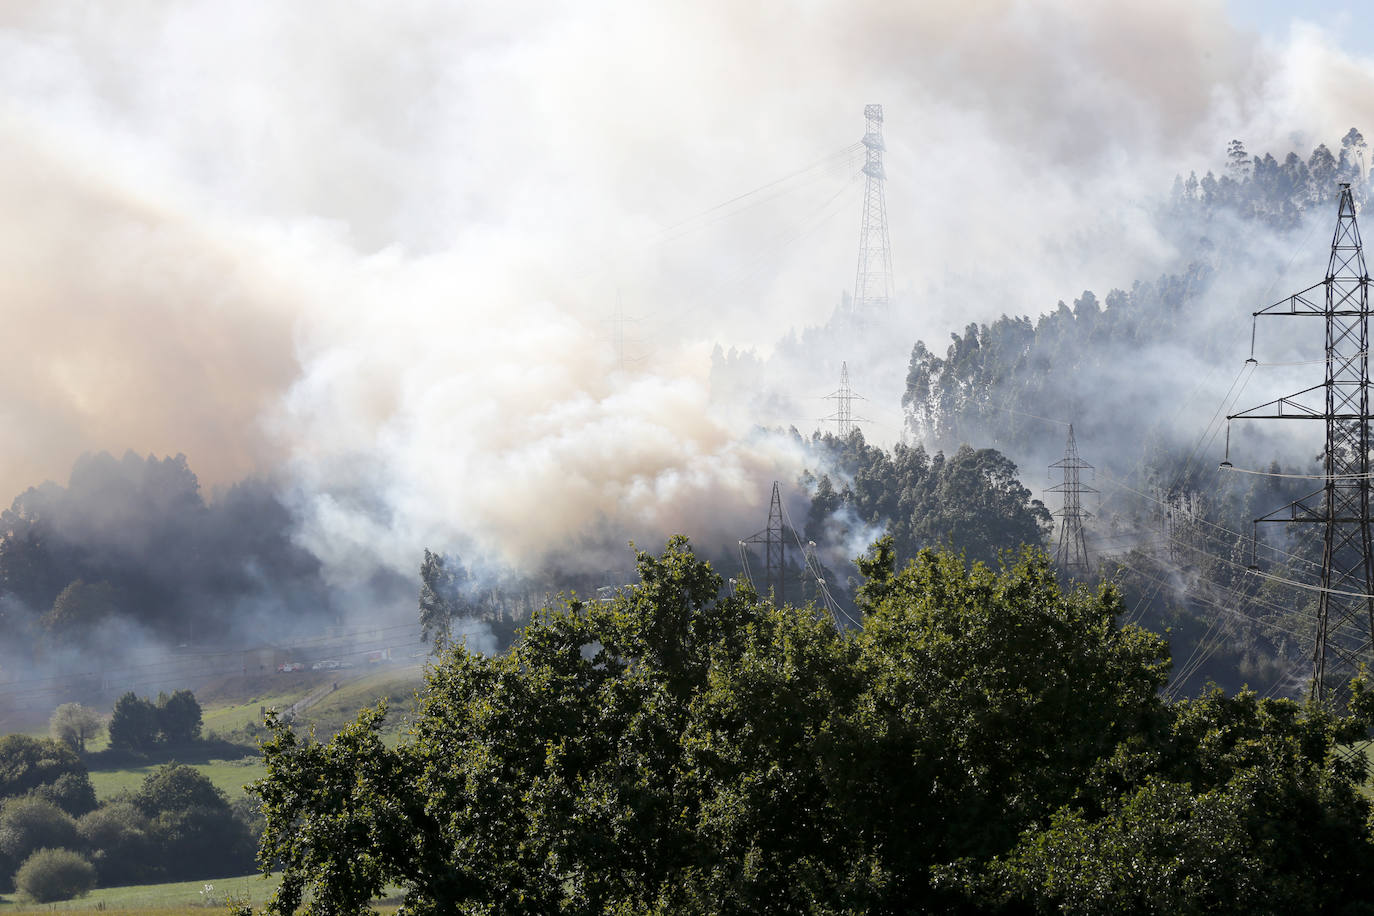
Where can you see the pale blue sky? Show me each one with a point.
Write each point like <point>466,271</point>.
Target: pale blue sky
<point>1352,24</point>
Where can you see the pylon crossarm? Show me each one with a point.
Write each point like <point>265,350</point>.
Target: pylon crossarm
<point>1071,487</point>
<point>1290,306</point>
<point>1297,511</point>
<point>1298,410</point>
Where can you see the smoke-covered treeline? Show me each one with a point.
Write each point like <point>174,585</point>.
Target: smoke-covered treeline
<point>130,548</point>
<point>971,501</point>
<point>1131,371</point>
<point>1104,363</point>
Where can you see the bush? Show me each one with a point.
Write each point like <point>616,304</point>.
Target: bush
<point>191,823</point>
<point>27,763</point>
<point>29,823</point>
<point>72,792</point>
<point>55,874</point>
<point>176,787</point>
<point>118,838</point>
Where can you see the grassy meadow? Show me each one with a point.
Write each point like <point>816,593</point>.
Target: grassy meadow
<point>184,898</point>
<point>163,899</point>
<point>232,718</point>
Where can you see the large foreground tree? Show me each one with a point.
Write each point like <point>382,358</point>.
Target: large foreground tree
<point>676,750</point>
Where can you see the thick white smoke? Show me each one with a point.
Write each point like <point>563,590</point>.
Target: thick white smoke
<point>377,246</point>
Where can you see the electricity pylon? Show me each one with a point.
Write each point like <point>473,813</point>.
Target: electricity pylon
<point>774,548</point>
<point>1345,601</point>
<point>1072,552</point>
<point>873,280</point>
<point>844,398</point>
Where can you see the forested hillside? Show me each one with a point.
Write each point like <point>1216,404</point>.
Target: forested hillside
<point>1131,369</point>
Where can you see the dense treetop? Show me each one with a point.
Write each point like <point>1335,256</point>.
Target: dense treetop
<point>681,750</point>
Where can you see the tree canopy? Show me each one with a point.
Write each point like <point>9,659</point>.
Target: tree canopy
<point>680,750</point>
<point>971,501</point>
<point>74,724</point>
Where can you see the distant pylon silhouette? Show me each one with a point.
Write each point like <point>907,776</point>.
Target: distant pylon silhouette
<point>1345,601</point>
<point>844,396</point>
<point>774,548</point>
<point>1072,552</point>
<point>873,280</point>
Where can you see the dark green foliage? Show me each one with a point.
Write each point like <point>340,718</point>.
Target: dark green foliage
<point>190,823</point>
<point>118,837</point>
<point>55,874</point>
<point>986,742</point>
<point>970,502</point>
<point>1244,806</point>
<point>138,724</point>
<point>133,723</point>
<point>28,823</point>
<point>72,792</point>
<point>178,717</point>
<point>991,698</point>
<point>28,763</point>
<point>177,787</point>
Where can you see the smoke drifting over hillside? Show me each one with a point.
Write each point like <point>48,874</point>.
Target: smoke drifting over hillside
<point>374,250</point>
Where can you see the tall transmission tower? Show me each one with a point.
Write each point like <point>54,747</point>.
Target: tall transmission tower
<point>1072,552</point>
<point>774,547</point>
<point>844,398</point>
<point>1345,601</point>
<point>873,280</point>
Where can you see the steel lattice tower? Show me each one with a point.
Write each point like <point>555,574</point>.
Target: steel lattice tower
<point>1072,552</point>
<point>774,547</point>
<point>1345,608</point>
<point>873,281</point>
<point>844,398</point>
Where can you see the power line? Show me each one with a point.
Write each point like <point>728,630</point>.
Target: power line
<point>1345,603</point>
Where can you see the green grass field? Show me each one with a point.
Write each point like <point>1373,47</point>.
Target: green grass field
<point>229,776</point>
<point>183,898</point>
<point>236,710</point>
<point>232,710</point>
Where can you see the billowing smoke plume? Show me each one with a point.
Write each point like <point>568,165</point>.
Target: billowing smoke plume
<point>376,249</point>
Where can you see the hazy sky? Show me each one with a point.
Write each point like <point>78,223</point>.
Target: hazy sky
<point>377,247</point>
<point>1348,24</point>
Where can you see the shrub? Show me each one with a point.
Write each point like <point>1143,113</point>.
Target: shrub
<point>55,874</point>
<point>191,823</point>
<point>177,787</point>
<point>29,823</point>
<point>118,838</point>
<point>72,792</point>
<point>27,763</point>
